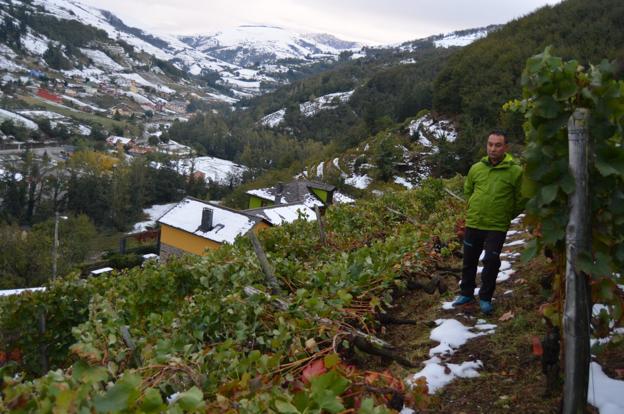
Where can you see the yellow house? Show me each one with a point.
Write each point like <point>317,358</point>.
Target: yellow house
<point>194,226</point>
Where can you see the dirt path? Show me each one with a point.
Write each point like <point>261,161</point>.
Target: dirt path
<point>509,375</point>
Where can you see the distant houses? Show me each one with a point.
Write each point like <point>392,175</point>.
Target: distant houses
<point>195,226</point>
<point>46,94</point>
<point>284,213</point>
<point>307,192</point>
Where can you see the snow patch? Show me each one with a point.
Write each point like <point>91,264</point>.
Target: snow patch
<point>452,334</point>
<point>604,393</point>
<point>426,128</point>
<point>438,375</point>
<point>274,119</point>
<point>359,181</point>
<point>18,119</point>
<point>460,40</point>
<point>402,181</point>
<point>154,213</point>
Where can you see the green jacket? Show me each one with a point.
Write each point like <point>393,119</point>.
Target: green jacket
<point>493,194</point>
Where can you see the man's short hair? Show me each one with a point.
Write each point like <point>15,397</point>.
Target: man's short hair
<point>501,133</point>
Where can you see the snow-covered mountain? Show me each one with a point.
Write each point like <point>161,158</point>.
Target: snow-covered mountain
<point>261,45</point>
<point>231,64</point>
<point>239,60</point>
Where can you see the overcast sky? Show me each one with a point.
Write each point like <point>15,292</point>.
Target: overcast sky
<point>368,21</point>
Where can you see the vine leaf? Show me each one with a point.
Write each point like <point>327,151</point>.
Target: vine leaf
<point>191,399</point>
<point>598,266</point>
<point>530,250</point>
<point>549,193</point>
<point>120,396</point>
<point>285,407</point>
<point>610,161</point>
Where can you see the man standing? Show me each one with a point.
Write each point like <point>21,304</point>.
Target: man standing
<point>492,189</point>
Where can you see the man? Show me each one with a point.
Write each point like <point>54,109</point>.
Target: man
<point>492,189</point>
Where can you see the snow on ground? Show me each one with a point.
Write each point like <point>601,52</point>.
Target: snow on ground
<point>460,40</point>
<point>154,213</point>
<point>214,169</point>
<point>336,163</point>
<point>34,44</point>
<point>101,59</point>
<point>426,127</point>
<point>438,375</point>
<point>451,334</point>
<point>224,98</point>
<point>84,130</point>
<point>309,108</point>
<point>514,243</point>
<point>11,292</point>
<point>90,72</point>
<point>18,119</point>
<point>82,104</point>
<point>320,169</point>
<point>6,63</point>
<point>604,393</point>
<point>242,83</point>
<point>339,198</point>
<point>324,102</point>
<point>42,114</point>
<point>402,181</point>
<point>138,79</point>
<point>138,98</point>
<point>359,181</point>
<point>274,119</point>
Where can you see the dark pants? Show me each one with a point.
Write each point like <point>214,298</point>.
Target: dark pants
<point>475,241</point>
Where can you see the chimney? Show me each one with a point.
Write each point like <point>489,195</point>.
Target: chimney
<point>279,189</point>
<point>206,220</point>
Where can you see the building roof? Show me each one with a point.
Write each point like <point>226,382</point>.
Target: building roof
<point>284,213</point>
<point>296,191</point>
<point>114,140</point>
<point>227,223</point>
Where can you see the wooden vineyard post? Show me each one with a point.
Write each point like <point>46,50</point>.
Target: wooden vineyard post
<point>321,225</point>
<point>43,348</point>
<point>576,317</point>
<point>269,274</point>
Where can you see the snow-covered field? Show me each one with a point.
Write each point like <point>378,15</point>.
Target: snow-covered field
<point>425,128</point>
<point>460,40</point>
<point>154,213</point>
<point>18,119</point>
<point>309,108</point>
<point>102,60</point>
<point>42,114</point>
<point>214,169</point>
<point>359,181</point>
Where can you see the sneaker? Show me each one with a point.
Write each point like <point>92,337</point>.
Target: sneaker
<point>462,300</point>
<point>486,306</point>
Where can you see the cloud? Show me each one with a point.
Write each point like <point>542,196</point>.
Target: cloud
<point>372,21</point>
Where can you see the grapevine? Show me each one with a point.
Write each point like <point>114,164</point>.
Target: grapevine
<point>204,334</point>
<point>552,91</point>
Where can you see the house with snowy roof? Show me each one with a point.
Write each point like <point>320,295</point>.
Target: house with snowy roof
<point>115,140</point>
<point>195,226</point>
<point>310,193</point>
<point>284,213</point>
